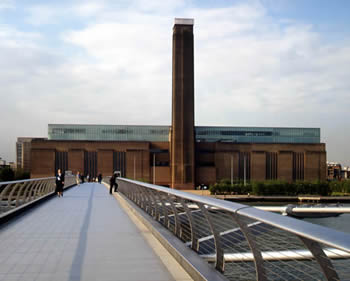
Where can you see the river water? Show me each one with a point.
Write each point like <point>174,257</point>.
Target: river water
<point>341,223</point>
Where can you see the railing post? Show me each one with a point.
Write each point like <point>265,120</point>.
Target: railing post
<point>194,235</point>
<point>8,187</point>
<point>133,193</point>
<point>165,210</point>
<point>139,198</point>
<point>258,259</point>
<point>42,189</point>
<point>220,261</point>
<point>155,211</point>
<point>146,200</point>
<point>321,258</point>
<point>22,188</point>
<point>178,228</point>
<point>9,199</point>
<point>38,188</point>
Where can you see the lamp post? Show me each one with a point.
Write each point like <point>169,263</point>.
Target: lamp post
<point>134,167</point>
<point>231,169</point>
<point>154,168</point>
<point>245,176</point>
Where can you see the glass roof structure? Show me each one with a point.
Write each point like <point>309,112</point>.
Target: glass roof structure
<point>202,133</point>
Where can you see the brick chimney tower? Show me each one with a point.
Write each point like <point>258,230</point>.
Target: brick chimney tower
<point>182,131</point>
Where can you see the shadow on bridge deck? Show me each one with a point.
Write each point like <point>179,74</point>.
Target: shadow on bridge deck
<point>85,235</point>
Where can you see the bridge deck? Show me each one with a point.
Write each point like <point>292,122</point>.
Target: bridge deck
<point>85,235</point>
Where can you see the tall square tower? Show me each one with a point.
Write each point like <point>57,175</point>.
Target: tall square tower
<point>182,131</point>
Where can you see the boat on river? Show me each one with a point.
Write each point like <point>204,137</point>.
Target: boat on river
<point>309,210</point>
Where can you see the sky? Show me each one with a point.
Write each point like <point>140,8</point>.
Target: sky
<point>268,63</point>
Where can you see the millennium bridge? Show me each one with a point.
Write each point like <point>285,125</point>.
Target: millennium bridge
<point>149,232</point>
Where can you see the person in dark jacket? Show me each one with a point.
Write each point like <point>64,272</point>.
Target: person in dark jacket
<point>59,183</point>
<point>99,178</point>
<point>113,182</point>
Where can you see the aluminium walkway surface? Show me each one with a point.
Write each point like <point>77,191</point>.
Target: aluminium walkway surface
<point>85,235</point>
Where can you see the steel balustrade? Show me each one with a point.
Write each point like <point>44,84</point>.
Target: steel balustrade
<point>13,194</point>
<point>242,242</point>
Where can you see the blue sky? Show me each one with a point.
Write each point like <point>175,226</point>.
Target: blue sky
<point>257,63</point>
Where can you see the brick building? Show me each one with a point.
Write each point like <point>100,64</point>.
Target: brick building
<point>182,155</point>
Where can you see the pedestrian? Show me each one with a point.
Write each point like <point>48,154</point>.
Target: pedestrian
<point>77,178</point>
<point>59,183</point>
<point>82,178</point>
<point>113,182</point>
<point>88,178</point>
<point>99,178</point>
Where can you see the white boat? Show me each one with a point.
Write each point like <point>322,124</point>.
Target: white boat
<point>308,210</point>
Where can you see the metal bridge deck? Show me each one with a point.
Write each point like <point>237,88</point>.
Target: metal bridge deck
<point>85,235</point>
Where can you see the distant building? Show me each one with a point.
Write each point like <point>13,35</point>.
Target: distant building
<point>23,153</point>
<point>13,165</point>
<point>182,155</point>
<point>334,171</point>
<point>345,173</point>
<point>3,163</point>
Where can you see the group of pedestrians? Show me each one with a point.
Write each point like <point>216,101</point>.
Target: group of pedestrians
<point>78,178</point>
<point>81,178</point>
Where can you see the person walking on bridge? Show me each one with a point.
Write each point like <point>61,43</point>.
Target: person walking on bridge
<point>113,182</point>
<point>77,178</point>
<point>59,183</point>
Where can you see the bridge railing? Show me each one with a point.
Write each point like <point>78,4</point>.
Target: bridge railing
<point>242,242</point>
<point>14,194</point>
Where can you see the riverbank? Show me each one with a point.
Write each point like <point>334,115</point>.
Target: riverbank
<point>301,199</point>
<point>263,198</point>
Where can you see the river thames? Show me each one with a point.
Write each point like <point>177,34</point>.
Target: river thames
<point>341,223</point>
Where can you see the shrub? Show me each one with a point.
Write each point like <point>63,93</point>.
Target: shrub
<point>275,187</point>
<point>7,174</point>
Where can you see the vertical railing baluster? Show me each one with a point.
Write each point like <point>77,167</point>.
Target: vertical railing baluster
<point>20,191</point>
<point>165,210</point>
<point>193,228</point>
<point>258,259</point>
<point>9,197</point>
<point>178,227</point>
<point>321,258</point>
<point>220,261</point>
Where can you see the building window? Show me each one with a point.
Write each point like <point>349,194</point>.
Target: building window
<point>61,161</point>
<point>298,166</point>
<point>119,162</point>
<point>271,165</point>
<point>90,163</point>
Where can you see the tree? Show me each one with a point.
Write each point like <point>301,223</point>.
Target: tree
<point>7,174</point>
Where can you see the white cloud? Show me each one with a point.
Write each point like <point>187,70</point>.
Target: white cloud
<point>249,69</point>
<point>88,8</point>
<point>6,4</point>
<point>42,15</point>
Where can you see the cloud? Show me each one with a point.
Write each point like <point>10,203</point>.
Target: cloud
<point>6,4</point>
<point>115,68</point>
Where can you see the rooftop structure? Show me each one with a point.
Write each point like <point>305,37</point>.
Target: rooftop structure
<point>202,133</point>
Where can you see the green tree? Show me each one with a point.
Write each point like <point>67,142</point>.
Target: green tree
<point>7,174</point>
<point>21,175</point>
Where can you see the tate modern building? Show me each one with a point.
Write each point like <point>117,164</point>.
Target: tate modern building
<point>181,155</point>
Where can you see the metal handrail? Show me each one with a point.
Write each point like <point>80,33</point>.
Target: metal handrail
<point>316,232</point>
<point>14,194</point>
<point>227,233</point>
<point>27,180</point>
